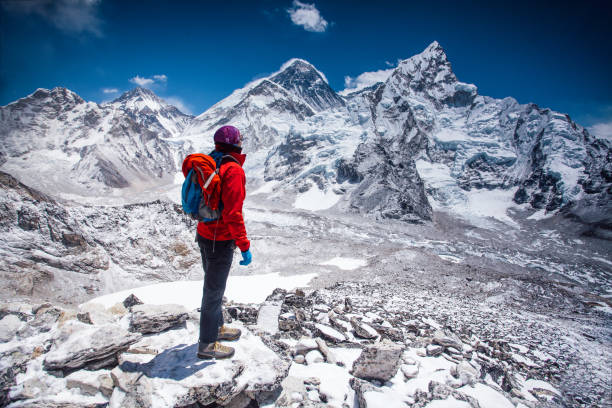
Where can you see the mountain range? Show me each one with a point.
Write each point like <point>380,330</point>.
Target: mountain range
<point>420,141</point>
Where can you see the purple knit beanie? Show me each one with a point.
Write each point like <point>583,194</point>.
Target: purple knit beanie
<point>228,135</point>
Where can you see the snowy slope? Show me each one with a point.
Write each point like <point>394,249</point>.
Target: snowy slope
<point>55,141</point>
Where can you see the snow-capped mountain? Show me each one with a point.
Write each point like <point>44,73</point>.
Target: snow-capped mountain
<point>420,141</point>
<point>56,141</point>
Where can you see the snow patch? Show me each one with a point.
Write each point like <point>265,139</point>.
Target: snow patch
<point>347,264</point>
<point>316,200</point>
<point>241,289</point>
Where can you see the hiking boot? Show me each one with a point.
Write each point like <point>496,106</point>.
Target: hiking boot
<point>228,334</point>
<point>216,350</point>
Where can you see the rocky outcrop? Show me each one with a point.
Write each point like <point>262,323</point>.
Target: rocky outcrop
<point>92,348</point>
<point>147,319</point>
<point>48,243</point>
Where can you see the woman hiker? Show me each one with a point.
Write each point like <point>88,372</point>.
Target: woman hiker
<point>218,240</point>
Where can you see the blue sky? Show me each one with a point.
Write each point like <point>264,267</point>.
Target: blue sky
<point>194,53</point>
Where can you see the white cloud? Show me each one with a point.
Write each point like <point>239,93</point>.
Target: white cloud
<point>148,82</point>
<point>110,90</point>
<point>601,130</point>
<point>307,16</point>
<point>179,103</point>
<point>366,79</point>
<point>71,16</point>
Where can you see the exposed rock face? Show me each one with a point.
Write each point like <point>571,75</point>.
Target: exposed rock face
<point>46,243</point>
<point>94,348</point>
<point>378,362</point>
<point>156,318</point>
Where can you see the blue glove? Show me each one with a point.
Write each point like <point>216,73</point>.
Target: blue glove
<point>246,258</point>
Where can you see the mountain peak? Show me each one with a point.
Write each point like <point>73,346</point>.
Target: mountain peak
<point>136,93</point>
<point>299,66</point>
<point>303,80</point>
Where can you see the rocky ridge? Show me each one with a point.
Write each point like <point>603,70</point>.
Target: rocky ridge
<point>67,253</point>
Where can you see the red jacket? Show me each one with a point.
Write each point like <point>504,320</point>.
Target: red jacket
<point>231,224</point>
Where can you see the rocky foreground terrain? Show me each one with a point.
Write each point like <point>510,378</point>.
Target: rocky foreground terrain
<point>352,344</point>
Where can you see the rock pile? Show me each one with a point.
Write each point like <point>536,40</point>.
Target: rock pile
<point>323,351</point>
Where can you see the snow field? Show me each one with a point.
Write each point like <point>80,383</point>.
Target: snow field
<point>240,289</point>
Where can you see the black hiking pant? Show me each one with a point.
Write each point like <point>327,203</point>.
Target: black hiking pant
<point>217,260</point>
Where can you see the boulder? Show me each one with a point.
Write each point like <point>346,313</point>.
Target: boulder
<point>434,350</point>
<point>156,318</point>
<point>363,330</point>
<point>447,340</point>
<point>131,300</point>
<point>378,362</point>
<point>93,348</point>
<point>178,378</point>
<point>329,356</point>
<point>329,333</point>
<point>9,326</point>
<point>91,382</point>
<point>305,344</point>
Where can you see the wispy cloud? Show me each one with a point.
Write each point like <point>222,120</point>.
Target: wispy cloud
<point>148,82</point>
<point>70,16</point>
<point>366,79</point>
<point>307,16</point>
<point>179,103</point>
<point>601,130</point>
<point>110,90</point>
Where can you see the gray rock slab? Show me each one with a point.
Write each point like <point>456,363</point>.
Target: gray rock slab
<point>90,347</point>
<point>156,318</point>
<point>378,362</point>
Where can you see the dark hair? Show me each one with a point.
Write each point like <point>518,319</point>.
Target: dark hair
<point>227,148</point>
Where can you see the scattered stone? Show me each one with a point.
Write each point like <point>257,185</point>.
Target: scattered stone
<point>313,357</point>
<point>299,358</point>
<point>363,330</point>
<point>156,318</point>
<point>329,333</point>
<point>348,305</point>
<point>91,382</point>
<point>305,344</point>
<point>84,318</point>
<point>132,300</point>
<point>288,322</point>
<point>446,340</point>
<point>245,313</point>
<point>439,391</point>
<point>390,333</point>
<point>313,396</point>
<point>410,371</point>
<point>378,362</point>
<point>329,356</point>
<point>434,350</point>
<point>361,388</point>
